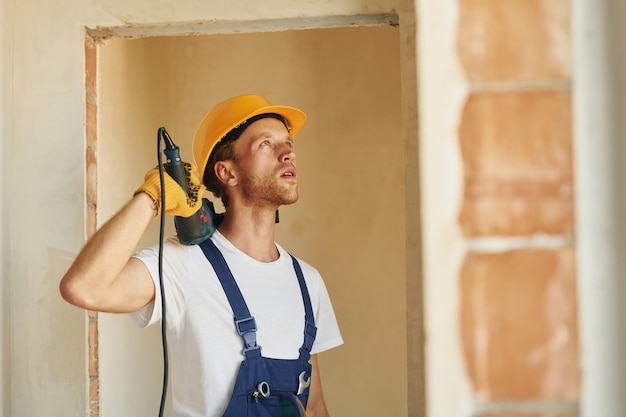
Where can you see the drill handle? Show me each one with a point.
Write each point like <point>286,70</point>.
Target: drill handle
<point>175,168</point>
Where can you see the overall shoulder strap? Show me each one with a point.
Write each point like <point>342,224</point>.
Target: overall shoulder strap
<point>244,322</point>
<point>309,327</point>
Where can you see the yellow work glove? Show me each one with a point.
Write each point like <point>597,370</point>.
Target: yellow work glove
<point>177,201</point>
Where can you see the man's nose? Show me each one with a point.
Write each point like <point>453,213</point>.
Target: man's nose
<point>288,154</point>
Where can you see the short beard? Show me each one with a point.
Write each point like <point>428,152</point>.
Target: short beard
<point>266,191</point>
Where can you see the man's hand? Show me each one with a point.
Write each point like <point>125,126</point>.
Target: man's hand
<point>316,406</point>
<point>177,201</point>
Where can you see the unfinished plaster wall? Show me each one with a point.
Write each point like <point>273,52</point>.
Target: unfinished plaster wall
<point>441,93</point>
<point>4,299</point>
<point>43,141</point>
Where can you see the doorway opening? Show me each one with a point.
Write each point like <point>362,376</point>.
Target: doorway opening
<point>350,221</point>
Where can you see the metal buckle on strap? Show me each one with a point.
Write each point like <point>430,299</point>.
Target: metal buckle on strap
<point>310,330</point>
<point>246,328</point>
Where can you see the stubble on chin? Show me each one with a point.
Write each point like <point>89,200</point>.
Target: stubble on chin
<point>268,190</point>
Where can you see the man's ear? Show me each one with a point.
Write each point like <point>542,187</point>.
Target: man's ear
<point>225,173</point>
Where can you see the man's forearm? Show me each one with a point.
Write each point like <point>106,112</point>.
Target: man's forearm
<point>106,254</point>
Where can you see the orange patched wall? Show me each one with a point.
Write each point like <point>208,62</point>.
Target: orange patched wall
<point>517,282</point>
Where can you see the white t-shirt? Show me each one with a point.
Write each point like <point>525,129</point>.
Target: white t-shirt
<point>205,349</point>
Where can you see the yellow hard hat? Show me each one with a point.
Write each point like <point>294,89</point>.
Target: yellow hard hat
<point>229,115</point>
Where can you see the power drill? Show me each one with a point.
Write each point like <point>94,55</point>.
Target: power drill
<point>201,225</point>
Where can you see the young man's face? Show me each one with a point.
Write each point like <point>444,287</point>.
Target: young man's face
<point>266,164</point>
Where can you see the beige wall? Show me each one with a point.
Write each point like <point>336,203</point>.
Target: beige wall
<point>132,102</point>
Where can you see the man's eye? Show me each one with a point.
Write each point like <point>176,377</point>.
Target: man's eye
<point>265,143</point>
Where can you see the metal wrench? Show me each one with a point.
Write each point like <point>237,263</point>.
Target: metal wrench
<point>303,383</point>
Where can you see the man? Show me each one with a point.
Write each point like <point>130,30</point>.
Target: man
<point>244,151</point>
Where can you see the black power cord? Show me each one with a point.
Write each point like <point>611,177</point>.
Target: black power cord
<point>190,230</point>
<point>161,235</point>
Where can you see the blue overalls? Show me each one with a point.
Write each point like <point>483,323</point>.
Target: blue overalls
<point>265,387</point>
